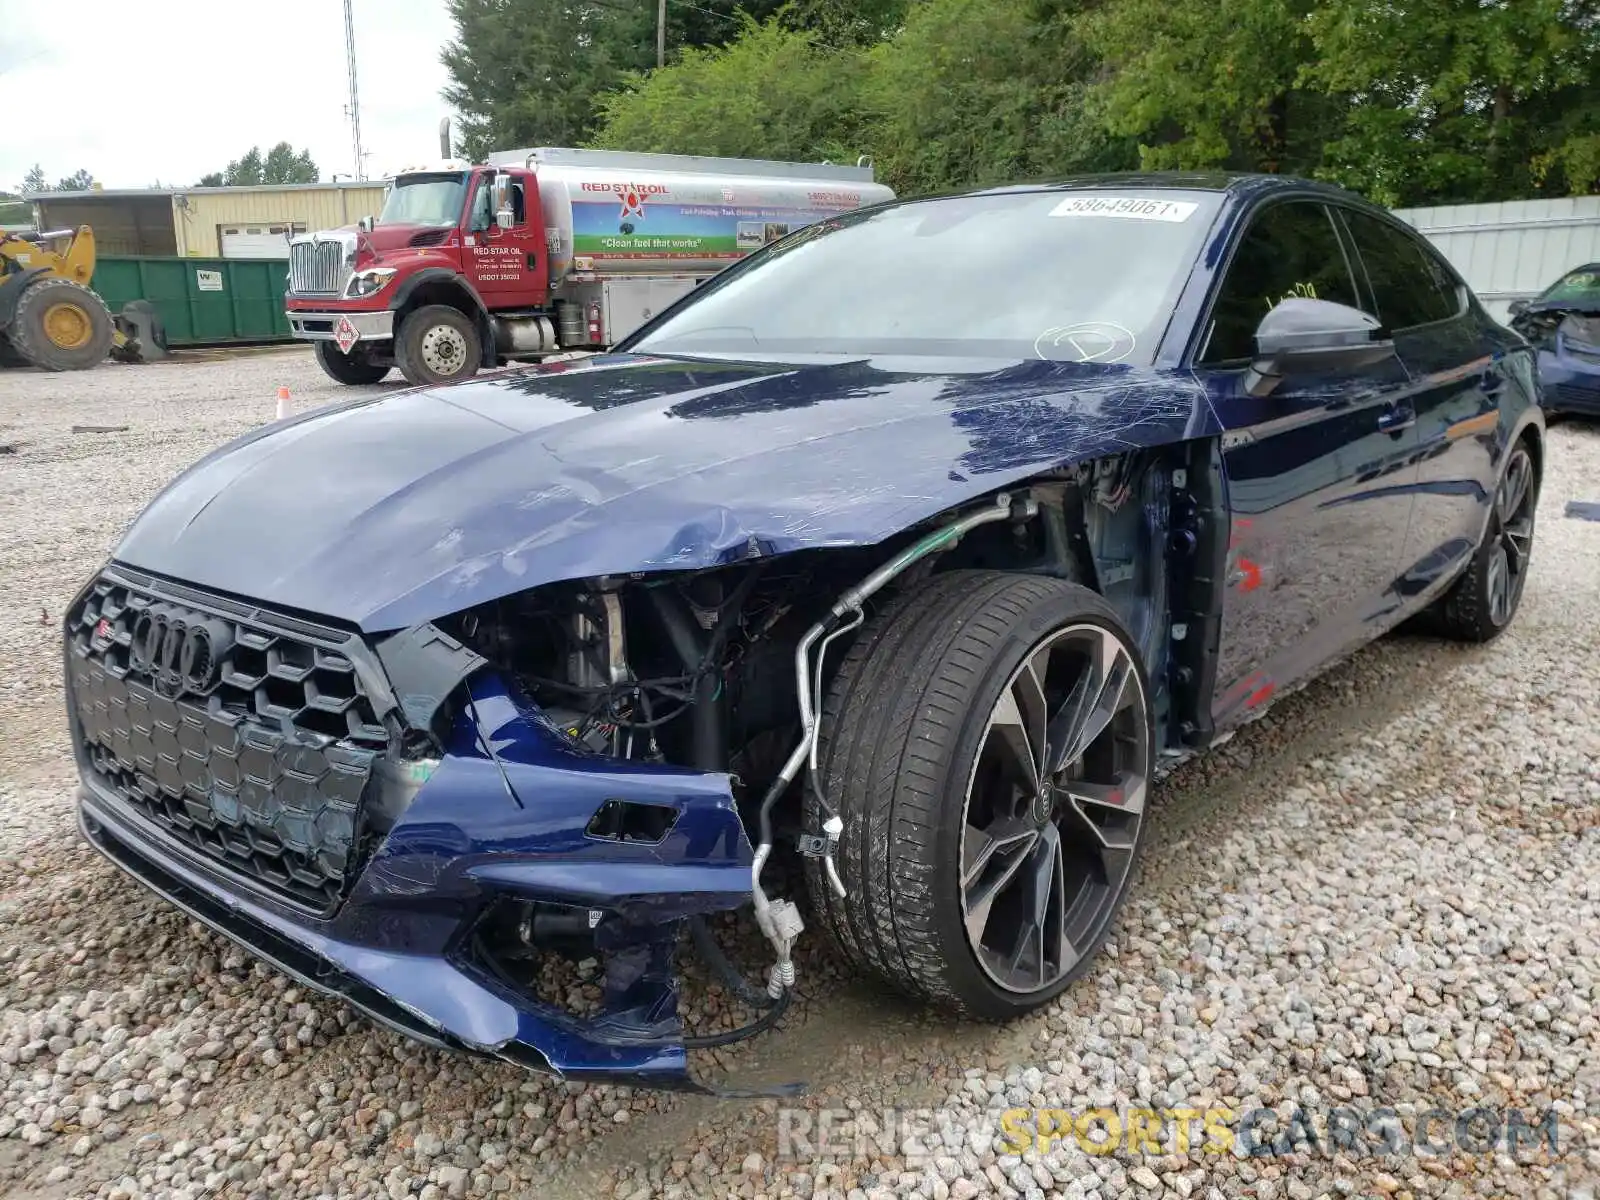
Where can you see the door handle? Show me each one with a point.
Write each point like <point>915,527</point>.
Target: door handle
<point>1397,418</point>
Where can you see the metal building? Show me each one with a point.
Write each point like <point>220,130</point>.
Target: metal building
<point>1515,249</point>
<point>227,222</point>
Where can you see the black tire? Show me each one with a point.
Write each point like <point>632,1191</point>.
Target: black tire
<point>38,318</point>
<point>904,725</point>
<point>9,355</point>
<point>437,345</point>
<point>354,369</point>
<point>1476,609</point>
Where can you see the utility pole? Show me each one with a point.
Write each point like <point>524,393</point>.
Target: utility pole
<point>355,102</point>
<point>661,32</point>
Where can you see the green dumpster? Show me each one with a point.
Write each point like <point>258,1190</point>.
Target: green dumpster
<point>202,301</point>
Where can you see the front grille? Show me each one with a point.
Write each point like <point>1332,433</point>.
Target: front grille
<point>252,741</point>
<point>316,268</point>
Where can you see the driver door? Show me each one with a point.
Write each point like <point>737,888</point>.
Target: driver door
<point>503,264</point>
<point>1318,471</point>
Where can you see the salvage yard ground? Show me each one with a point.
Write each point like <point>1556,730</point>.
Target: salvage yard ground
<point>1384,894</point>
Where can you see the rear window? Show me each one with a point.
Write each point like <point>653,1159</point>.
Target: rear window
<point>1410,285</point>
<point>1081,276</point>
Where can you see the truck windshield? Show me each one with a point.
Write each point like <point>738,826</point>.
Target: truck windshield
<point>424,200</point>
<point>1071,275</point>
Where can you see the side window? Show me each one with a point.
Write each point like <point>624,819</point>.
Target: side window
<point>1290,249</point>
<point>1409,283</point>
<point>483,206</point>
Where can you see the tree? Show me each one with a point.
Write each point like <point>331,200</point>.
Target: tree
<point>532,72</point>
<point>526,72</point>
<point>281,164</point>
<point>973,92</point>
<point>33,181</point>
<point>1458,100</point>
<point>1209,85</point>
<point>773,93</point>
<point>79,181</point>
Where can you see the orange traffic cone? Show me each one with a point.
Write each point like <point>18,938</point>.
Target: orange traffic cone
<point>283,403</point>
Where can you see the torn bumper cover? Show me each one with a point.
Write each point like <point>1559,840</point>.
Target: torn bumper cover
<point>221,814</point>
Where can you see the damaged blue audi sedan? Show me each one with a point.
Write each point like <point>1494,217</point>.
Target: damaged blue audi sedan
<point>910,550</point>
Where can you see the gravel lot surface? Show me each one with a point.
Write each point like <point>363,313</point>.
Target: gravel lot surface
<point>1384,894</point>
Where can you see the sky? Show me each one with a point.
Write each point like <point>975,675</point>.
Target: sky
<point>167,90</point>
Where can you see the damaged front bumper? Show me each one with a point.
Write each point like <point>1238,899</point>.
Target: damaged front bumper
<point>507,816</point>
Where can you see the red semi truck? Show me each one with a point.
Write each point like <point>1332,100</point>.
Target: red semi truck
<point>538,252</point>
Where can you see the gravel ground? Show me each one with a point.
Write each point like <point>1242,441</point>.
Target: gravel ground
<point>1384,894</point>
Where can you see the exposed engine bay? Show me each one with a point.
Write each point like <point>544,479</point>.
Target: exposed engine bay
<point>725,670</point>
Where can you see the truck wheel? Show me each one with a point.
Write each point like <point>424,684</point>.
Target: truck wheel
<point>988,741</point>
<point>355,368</point>
<point>437,345</point>
<point>62,326</point>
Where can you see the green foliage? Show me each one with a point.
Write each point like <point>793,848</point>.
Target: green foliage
<point>773,93</point>
<point>974,92</point>
<point>532,72</point>
<point>34,181</point>
<point>281,164</point>
<point>1453,100</point>
<point>1410,101</point>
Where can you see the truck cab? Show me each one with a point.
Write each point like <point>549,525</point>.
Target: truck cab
<point>540,251</point>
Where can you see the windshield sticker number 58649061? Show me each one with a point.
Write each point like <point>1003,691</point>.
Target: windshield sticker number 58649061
<point>1140,208</point>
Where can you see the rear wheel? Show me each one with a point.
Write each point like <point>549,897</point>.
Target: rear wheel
<point>988,742</point>
<point>437,344</point>
<point>1482,602</point>
<point>354,368</point>
<point>62,326</point>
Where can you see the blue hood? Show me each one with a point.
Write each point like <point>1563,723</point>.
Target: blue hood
<point>391,511</point>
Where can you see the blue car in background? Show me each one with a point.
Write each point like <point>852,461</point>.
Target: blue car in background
<point>901,554</point>
<point>1563,323</point>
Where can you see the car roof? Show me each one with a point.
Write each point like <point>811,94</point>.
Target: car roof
<point>1238,183</point>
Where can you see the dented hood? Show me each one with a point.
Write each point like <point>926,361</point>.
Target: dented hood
<point>389,511</point>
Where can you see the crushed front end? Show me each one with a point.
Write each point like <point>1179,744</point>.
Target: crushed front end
<point>397,821</point>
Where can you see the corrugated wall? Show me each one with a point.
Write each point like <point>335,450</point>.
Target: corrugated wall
<point>198,215</point>
<point>1513,250</point>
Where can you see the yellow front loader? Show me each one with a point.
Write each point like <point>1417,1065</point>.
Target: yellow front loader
<point>48,316</point>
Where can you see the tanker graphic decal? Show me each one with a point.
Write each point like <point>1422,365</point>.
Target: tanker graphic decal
<point>654,222</point>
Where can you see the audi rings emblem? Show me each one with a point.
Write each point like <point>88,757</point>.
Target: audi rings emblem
<point>180,651</point>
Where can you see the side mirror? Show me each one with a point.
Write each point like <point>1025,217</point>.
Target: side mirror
<point>365,224</point>
<point>1300,336</point>
<point>502,201</point>
<point>1518,307</point>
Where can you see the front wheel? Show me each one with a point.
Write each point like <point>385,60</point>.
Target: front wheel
<point>989,744</point>
<point>355,368</point>
<point>436,345</point>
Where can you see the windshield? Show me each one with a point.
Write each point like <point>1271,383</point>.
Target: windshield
<point>1580,287</point>
<point>1080,276</point>
<point>424,200</point>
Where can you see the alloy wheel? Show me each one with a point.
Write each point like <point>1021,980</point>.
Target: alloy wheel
<point>1512,530</point>
<point>1054,807</point>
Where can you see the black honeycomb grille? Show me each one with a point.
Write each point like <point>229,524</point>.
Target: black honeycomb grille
<point>259,759</point>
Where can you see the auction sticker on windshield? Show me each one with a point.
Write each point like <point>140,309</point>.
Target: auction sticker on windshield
<point>1139,208</point>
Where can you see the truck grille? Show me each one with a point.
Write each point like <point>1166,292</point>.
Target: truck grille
<point>246,735</point>
<point>316,268</point>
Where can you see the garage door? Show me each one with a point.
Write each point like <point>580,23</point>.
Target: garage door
<point>257,241</point>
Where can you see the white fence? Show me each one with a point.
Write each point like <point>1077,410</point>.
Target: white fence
<point>1512,250</point>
